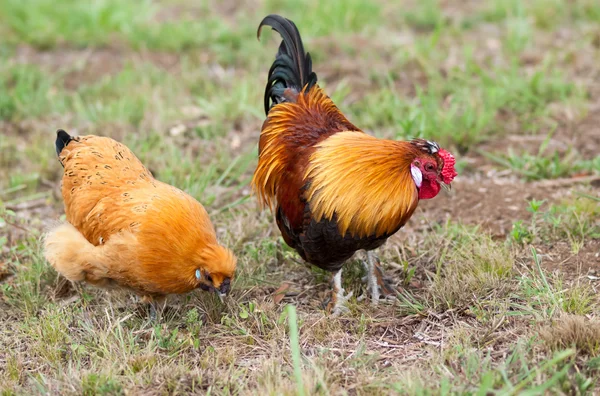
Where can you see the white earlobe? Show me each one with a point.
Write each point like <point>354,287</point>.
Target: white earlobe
<point>198,274</point>
<point>416,175</point>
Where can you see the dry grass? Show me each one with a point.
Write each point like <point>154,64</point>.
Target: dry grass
<point>573,331</point>
<point>498,279</point>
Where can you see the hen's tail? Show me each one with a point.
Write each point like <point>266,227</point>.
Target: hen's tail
<point>67,250</point>
<point>292,67</point>
<point>62,139</point>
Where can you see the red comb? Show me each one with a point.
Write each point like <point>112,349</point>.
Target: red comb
<point>448,171</point>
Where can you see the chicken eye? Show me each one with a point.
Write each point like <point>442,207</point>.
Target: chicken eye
<point>209,278</point>
<point>429,167</point>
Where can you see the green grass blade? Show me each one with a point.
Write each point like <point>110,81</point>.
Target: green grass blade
<point>295,347</point>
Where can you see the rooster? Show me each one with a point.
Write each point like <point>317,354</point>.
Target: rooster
<point>334,189</point>
<point>124,228</point>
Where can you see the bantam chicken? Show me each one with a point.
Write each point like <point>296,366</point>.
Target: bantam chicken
<point>127,229</point>
<point>334,189</point>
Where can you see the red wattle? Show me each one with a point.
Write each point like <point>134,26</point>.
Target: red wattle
<point>429,189</point>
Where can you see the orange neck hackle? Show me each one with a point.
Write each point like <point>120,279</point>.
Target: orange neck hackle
<point>288,136</point>
<point>365,181</point>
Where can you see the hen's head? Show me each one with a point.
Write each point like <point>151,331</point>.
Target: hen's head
<point>215,270</point>
<point>431,168</point>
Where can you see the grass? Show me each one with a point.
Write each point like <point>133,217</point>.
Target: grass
<point>572,220</point>
<point>334,17</point>
<point>26,91</point>
<point>295,347</point>
<point>497,296</point>
<point>44,25</point>
<point>466,105</point>
<point>546,165</point>
<point>471,268</point>
<point>554,166</point>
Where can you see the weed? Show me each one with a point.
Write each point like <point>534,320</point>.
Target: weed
<point>427,15</point>
<point>94,384</point>
<point>295,347</point>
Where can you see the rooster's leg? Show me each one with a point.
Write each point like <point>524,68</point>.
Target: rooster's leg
<point>337,304</point>
<point>377,284</point>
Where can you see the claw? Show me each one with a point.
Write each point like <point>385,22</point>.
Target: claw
<point>339,307</point>
<point>153,307</point>
<point>378,285</point>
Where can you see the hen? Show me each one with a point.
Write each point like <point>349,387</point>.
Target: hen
<point>127,229</point>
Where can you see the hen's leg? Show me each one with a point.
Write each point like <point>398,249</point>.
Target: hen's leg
<point>153,310</point>
<point>152,306</point>
<point>377,284</point>
<point>337,303</point>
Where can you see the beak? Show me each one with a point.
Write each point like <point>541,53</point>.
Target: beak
<point>223,289</point>
<point>445,186</point>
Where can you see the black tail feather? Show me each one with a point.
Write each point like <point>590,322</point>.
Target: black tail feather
<point>62,139</point>
<point>292,67</point>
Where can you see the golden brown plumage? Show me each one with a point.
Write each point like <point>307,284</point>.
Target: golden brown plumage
<point>380,194</point>
<point>333,188</point>
<point>127,229</point>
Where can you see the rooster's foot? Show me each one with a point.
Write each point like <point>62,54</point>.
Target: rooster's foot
<point>377,284</point>
<point>337,302</point>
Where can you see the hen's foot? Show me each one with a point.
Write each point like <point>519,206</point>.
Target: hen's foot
<point>153,308</point>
